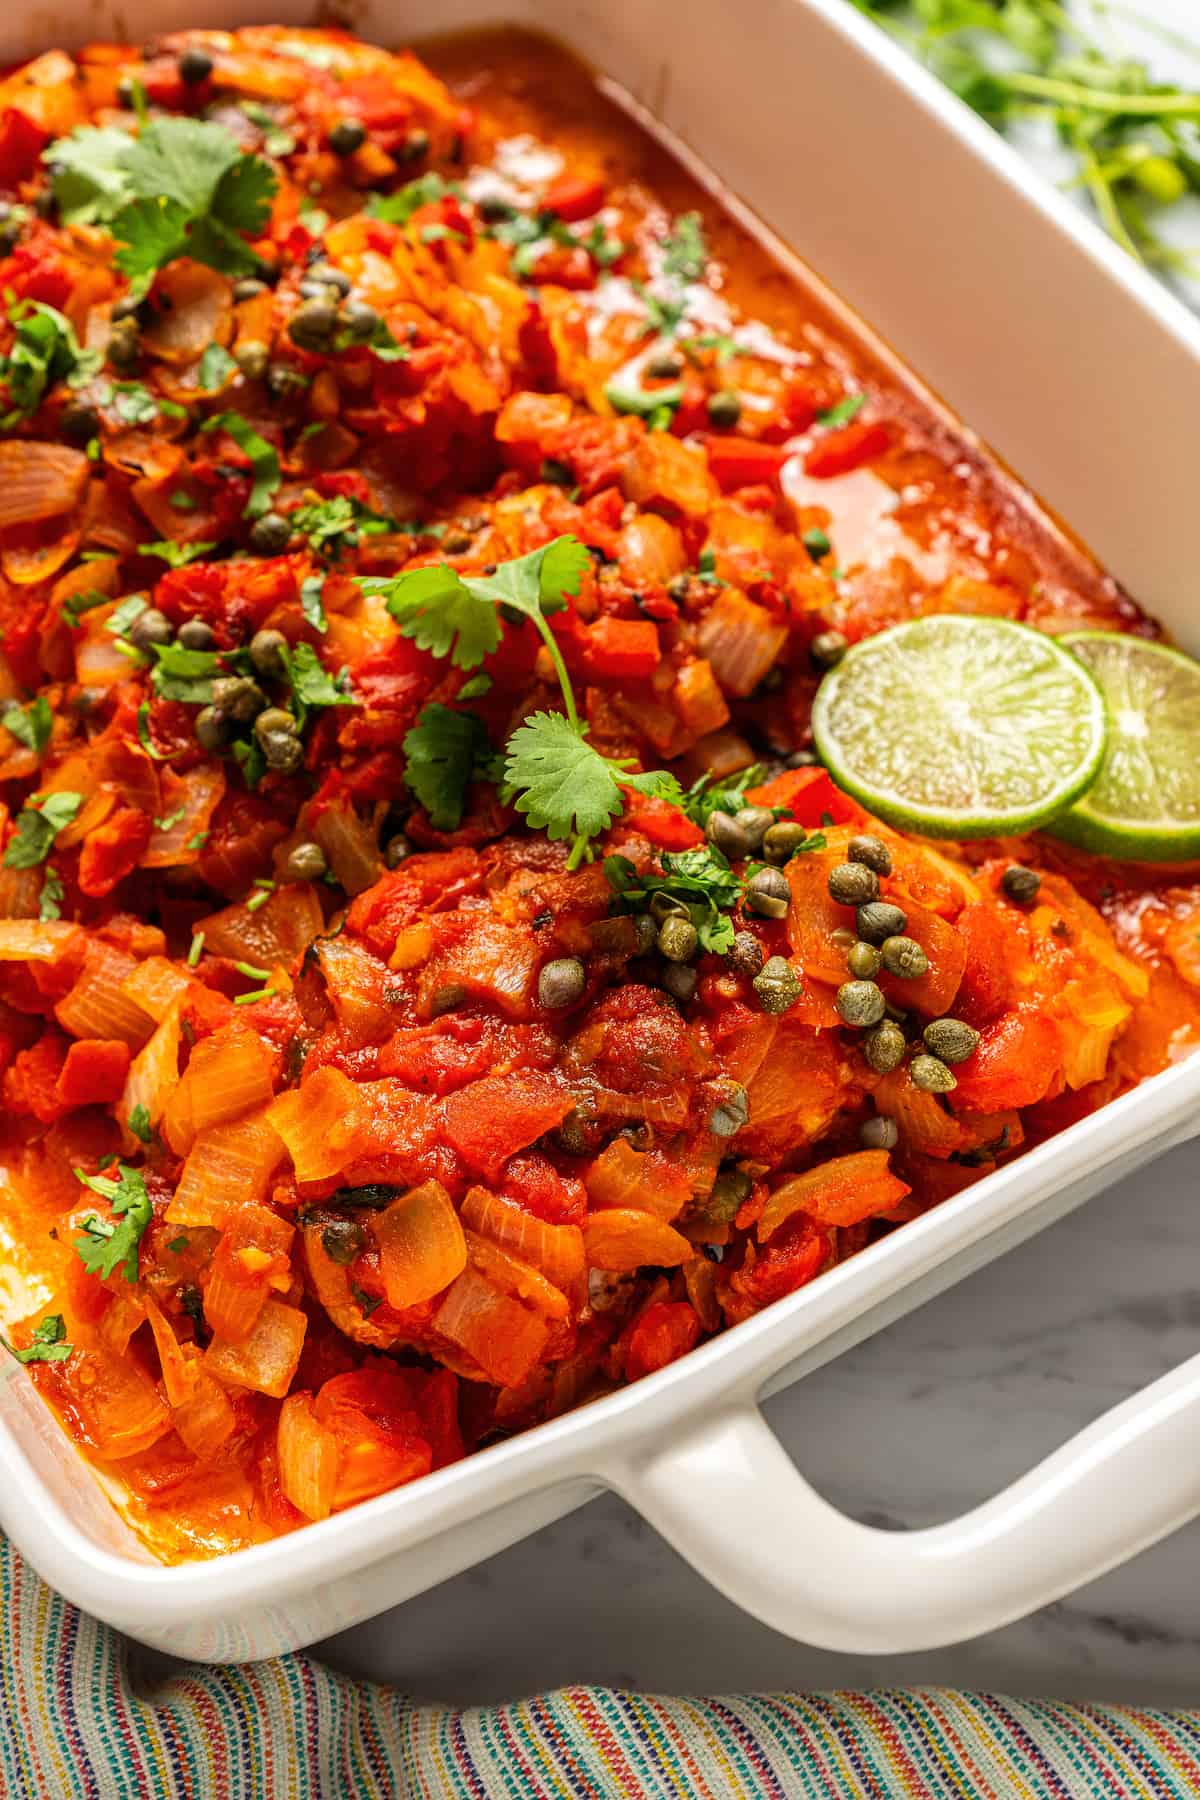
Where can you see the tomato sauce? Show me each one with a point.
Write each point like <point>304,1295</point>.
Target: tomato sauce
<point>425,514</point>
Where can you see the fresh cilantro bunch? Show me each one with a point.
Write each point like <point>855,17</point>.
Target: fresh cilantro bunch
<point>110,1244</point>
<point>1136,141</point>
<point>181,187</point>
<point>551,773</point>
<point>45,351</point>
<point>699,879</point>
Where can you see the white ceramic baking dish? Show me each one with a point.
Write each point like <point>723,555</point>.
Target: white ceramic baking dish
<point>1086,378</point>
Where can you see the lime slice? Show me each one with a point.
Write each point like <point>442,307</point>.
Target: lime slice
<point>1144,805</point>
<point>961,725</point>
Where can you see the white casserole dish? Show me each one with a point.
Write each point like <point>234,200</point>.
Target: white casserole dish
<point>1086,378</point>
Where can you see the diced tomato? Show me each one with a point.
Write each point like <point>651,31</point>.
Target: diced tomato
<point>744,462</point>
<point>574,197</point>
<point>31,1082</point>
<point>491,1120</point>
<point>809,795</point>
<point>666,1330</point>
<point>1016,1063</point>
<point>21,143</point>
<point>622,649</point>
<point>847,447</point>
<point>93,1073</point>
<point>113,850</point>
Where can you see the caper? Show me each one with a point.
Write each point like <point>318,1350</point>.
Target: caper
<point>78,421</point>
<point>951,1039</point>
<point>930,1074</point>
<point>124,344</point>
<point>730,1191</point>
<point>194,634</point>
<point>723,831</point>
<point>127,307</point>
<point>880,1133</point>
<point>126,91</point>
<point>678,939</point>
<point>492,208</point>
<point>331,276</point>
<point>781,841</point>
<point>456,542</point>
<point>150,627</point>
<point>803,759</point>
<point>558,474</point>
<point>777,985</point>
<point>664,365</point>
<point>724,408</point>
<point>282,751</point>
<point>312,326</point>
<point>249,288</point>
<point>396,849</point>
<point>827,648</point>
<point>305,862</point>
<point>679,980</point>
<point>662,906</point>
<point>645,934</point>
<point>853,884</point>
<point>343,1239</point>
<point>872,852</point>
<point>768,893</point>
<point>884,1047</point>
<point>359,321</point>
<point>745,954</point>
<point>842,938</point>
<point>904,957</point>
<point>194,66</point>
<point>271,534</point>
<point>1021,884</point>
<point>239,698</point>
<point>252,358</point>
<point>267,652</point>
<point>414,147</point>
<point>755,821</point>
<point>211,729</point>
<point>561,982</point>
<point>312,289</point>
<point>730,1114</point>
<point>859,1003</point>
<point>10,233</point>
<point>275,718</point>
<point>878,920</point>
<point>863,961</point>
<point>679,587</point>
<point>347,136</point>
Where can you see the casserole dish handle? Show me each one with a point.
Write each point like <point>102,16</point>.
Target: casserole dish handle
<point>727,1496</point>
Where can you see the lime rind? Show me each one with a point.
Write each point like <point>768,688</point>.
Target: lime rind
<point>1144,805</point>
<point>991,727</point>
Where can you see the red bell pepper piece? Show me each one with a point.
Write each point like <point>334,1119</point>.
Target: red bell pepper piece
<point>662,823</point>
<point>849,447</point>
<point>742,462</point>
<point>624,649</point>
<point>574,197</point>
<point>808,794</point>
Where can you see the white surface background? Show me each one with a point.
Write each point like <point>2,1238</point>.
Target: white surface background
<point>928,1418</point>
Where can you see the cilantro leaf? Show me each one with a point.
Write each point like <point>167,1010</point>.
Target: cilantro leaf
<point>331,525</point>
<point>50,898</point>
<point>699,879</point>
<point>30,725</point>
<point>843,412</point>
<point>398,208</point>
<point>312,684</point>
<point>441,613</point>
<point>139,1123</point>
<point>45,350</point>
<point>216,366</point>
<point>441,752</point>
<point>557,780</point>
<point>658,784</point>
<point>311,589</point>
<point>107,1246</point>
<point>182,674</point>
<point>193,192</point>
<point>90,181</point>
<point>264,461</point>
<point>49,1342</point>
<point>536,584</point>
<point>709,794</point>
<point>176,555</point>
<point>685,252</point>
<point>37,827</point>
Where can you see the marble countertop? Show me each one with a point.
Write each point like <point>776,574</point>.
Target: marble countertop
<point>929,1417</point>
<point>924,1420</point>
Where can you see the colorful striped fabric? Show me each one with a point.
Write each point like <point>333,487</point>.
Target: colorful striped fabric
<point>75,1727</point>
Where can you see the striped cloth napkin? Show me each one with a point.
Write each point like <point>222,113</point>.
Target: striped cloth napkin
<point>76,1726</point>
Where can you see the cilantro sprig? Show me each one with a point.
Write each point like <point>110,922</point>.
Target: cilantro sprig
<point>181,187</point>
<point>443,753</point>
<point>30,725</point>
<point>109,1244</point>
<point>38,824</point>
<point>700,879</point>
<point>45,351</point>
